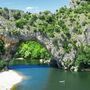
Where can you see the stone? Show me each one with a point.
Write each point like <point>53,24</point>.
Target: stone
<point>75,68</point>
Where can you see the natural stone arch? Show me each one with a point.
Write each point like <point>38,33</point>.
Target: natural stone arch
<point>12,42</point>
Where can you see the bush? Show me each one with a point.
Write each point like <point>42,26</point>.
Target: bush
<point>21,22</point>
<point>1,47</point>
<point>83,56</point>
<point>17,15</point>
<point>32,50</point>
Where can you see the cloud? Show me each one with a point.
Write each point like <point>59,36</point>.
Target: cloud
<point>29,8</point>
<point>32,9</point>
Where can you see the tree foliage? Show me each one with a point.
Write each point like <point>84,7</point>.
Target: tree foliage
<point>1,47</point>
<point>32,50</point>
<point>83,56</point>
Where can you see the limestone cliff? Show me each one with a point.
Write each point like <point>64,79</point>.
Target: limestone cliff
<point>61,33</point>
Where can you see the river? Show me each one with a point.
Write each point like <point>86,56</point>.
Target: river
<point>47,78</point>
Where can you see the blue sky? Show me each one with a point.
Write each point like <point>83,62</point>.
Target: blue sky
<point>34,5</point>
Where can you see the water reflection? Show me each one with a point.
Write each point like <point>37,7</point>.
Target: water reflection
<point>53,79</point>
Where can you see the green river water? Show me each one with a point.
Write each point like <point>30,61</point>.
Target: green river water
<point>46,78</point>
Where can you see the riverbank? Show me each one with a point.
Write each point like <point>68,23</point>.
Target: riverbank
<point>8,79</point>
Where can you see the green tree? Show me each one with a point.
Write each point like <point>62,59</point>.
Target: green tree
<point>21,22</point>
<point>83,56</point>
<point>32,50</point>
<point>1,47</point>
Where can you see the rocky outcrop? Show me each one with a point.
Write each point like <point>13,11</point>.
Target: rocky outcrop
<point>62,59</point>
<point>12,43</point>
<point>62,46</point>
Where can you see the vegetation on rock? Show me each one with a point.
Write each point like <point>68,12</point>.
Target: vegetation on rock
<point>68,28</point>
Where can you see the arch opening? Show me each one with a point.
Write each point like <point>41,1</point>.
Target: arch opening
<point>31,52</point>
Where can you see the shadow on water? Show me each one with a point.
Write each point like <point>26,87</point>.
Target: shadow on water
<point>47,78</point>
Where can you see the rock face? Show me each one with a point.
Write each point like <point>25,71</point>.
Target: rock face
<point>68,59</point>
<point>75,3</point>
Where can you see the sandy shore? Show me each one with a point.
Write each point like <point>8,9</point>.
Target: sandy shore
<point>8,79</point>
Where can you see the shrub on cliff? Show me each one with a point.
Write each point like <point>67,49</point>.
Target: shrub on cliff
<point>21,22</point>
<point>1,47</point>
<point>83,56</point>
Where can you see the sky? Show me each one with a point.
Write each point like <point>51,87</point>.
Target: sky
<point>34,5</point>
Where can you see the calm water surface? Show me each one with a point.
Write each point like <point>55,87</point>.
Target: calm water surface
<point>46,78</point>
